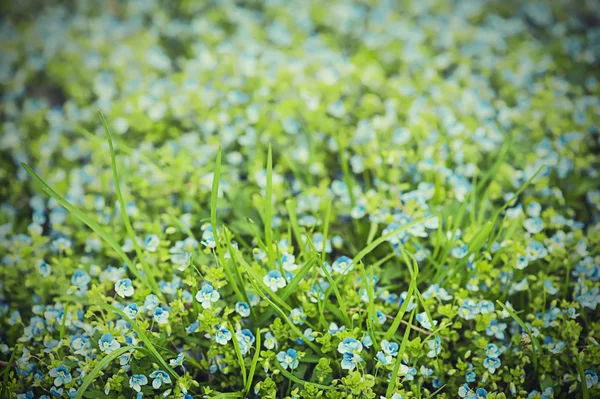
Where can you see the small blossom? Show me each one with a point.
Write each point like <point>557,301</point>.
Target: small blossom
<point>124,288</point>
<point>288,358</point>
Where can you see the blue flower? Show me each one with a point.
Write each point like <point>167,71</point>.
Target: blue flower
<point>350,345</point>
<point>178,361</point>
<point>161,316</point>
<point>61,375</point>
<point>381,318</point>
<point>591,378</point>
<point>350,361</point>
<point>274,280</point>
<point>425,322</point>
<point>434,347</point>
<point>136,381</point>
<point>223,335</point>
<point>460,251</point>
<point>334,329</point>
<point>124,288</point>
<point>288,359</point>
<point>43,268</point>
<point>181,260</point>
<point>80,279</point>
<point>550,288</point>
<point>297,316</point>
<point>243,309</point>
<point>270,341</point>
<point>151,302</point>
<point>522,262</point>
<point>491,364</point>
<point>383,358</point>
<point>107,343</point>
<point>192,328</point>
<point>496,329</point>
<point>389,348</point>
<point>470,376</point>
<point>131,310</point>
<point>342,265</point>
<point>207,295</point>
<point>160,377</point>
<point>152,242</point>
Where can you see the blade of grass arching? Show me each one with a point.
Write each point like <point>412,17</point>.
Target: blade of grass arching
<point>236,268</point>
<point>91,377</point>
<point>433,395</point>
<point>228,395</point>
<point>394,378</point>
<point>536,344</point>
<point>6,371</point>
<point>494,169</point>
<point>298,381</point>
<point>333,285</point>
<point>514,197</point>
<point>291,208</point>
<point>79,214</point>
<point>411,289</point>
<point>238,353</point>
<point>289,289</point>
<point>253,364</point>
<point>369,248</point>
<point>370,305</point>
<point>473,201</point>
<point>181,225</point>
<point>347,175</point>
<point>286,318</point>
<point>585,394</point>
<point>269,210</point>
<point>372,232</point>
<point>326,229</point>
<point>149,345</point>
<point>214,197</point>
<point>256,280</point>
<point>138,250</point>
<point>123,148</point>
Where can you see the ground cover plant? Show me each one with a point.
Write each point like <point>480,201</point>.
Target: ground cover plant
<point>299,199</point>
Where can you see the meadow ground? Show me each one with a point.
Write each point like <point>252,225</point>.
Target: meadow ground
<point>299,199</point>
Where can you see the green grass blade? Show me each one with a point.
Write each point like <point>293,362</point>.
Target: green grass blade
<point>398,319</point>
<point>394,379</point>
<point>269,210</point>
<point>138,250</point>
<point>149,345</point>
<point>253,364</point>
<point>285,317</point>
<point>91,377</point>
<point>238,353</point>
<point>79,214</point>
<point>291,208</point>
<point>585,394</point>
<point>369,248</point>
<point>326,229</point>
<point>433,395</point>
<point>333,285</point>
<point>298,381</point>
<point>214,197</point>
<point>535,342</point>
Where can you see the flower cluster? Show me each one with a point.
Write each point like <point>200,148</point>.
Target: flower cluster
<point>300,199</point>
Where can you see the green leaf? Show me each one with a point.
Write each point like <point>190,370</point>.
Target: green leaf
<point>297,380</point>
<point>253,364</point>
<point>138,250</point>
<point>92,375</point>
<point>394,378</point>
<point>238,353</point>
<point>79,214</point>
